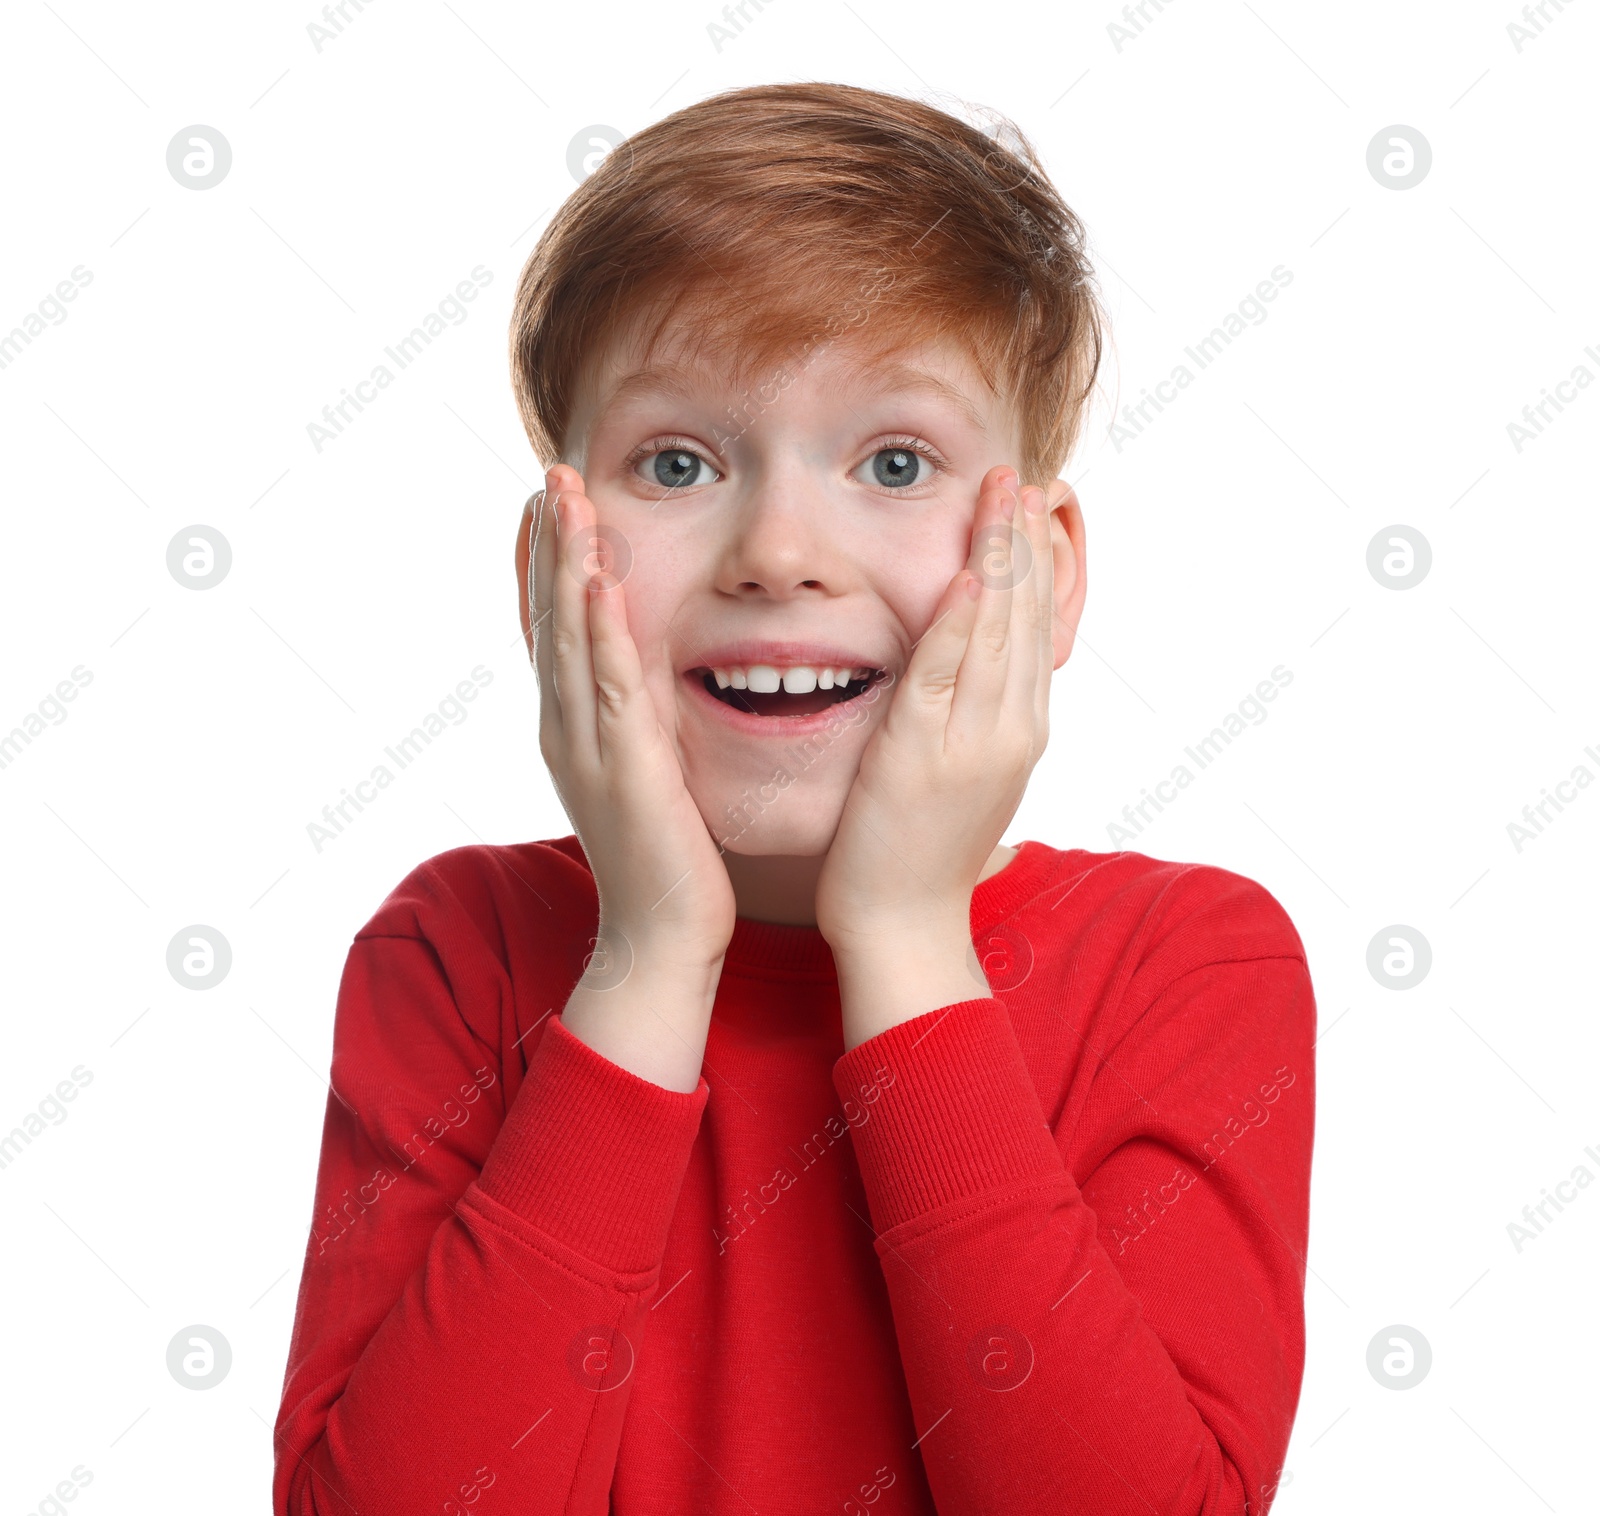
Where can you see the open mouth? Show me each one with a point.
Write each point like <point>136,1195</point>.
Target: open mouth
<point>795,692</point>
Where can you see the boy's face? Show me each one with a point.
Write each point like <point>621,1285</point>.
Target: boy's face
<point>808,525</point>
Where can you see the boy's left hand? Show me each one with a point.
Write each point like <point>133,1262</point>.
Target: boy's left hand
<point>945,771</point>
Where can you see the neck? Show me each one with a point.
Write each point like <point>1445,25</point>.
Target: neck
<point>781,888</point>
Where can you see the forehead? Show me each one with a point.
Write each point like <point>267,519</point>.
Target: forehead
<point>849,370</point>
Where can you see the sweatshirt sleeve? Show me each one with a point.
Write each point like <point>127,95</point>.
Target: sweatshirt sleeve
<point>475,1281</point>
<point>1125,1335</point>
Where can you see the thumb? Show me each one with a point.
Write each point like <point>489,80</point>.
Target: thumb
<point>930,680</point>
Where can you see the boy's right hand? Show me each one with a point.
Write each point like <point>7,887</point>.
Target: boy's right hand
<point>664,893</point>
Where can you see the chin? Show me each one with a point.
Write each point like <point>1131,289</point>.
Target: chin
<point>796,820</point>
<point>769,768</point>
<point>798,842</point>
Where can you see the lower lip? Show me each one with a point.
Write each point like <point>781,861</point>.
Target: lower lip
<point>843,714</point>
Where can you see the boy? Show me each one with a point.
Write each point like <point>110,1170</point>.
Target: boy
<point>780,1141</point>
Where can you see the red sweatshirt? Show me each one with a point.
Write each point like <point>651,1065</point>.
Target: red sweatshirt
<point>1037,1252</point>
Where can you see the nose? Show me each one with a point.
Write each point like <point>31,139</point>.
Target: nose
<point>783,539</point>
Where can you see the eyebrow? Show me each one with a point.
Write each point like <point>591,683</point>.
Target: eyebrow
<point>679,383</point>
<point>660,380</point>
<point>905,376</point>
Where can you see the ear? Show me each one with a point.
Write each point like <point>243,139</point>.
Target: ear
<point>1071,573</point>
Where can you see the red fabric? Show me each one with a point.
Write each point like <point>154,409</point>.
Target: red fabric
<point>1039,1251</point>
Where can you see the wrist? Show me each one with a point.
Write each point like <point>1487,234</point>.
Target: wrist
<point>648,1015</point>
<point>888,980</point>
<point>620,950</point>
<point>878,948</point>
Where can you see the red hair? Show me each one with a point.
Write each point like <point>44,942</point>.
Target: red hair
<point>768,218</point>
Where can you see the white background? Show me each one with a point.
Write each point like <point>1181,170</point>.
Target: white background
<point>1231,536</point>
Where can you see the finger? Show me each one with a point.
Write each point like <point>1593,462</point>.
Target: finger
<point>626,718</point>
<point>572,663</point>
<point>1028,678</point>
<point>995,563</point>
<point>541,565</point>
<point>928,685</point>
<point>522,565</point>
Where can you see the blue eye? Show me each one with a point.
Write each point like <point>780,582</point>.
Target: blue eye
<point>900,467</point>
<point>675,467</point>
<point>895,466</point>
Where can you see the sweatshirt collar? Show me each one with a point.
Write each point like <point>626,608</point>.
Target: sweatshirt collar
<point>767,949</point>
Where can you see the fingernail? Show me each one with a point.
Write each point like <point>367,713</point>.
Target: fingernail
<point>1033,500</point>
<point>974,587</point>
<point>1013,481</point>
<point>1008,505</point>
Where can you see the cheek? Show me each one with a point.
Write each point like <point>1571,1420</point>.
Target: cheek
<point>650,607</point>
<point>656,592</point>
<point>911,571</point>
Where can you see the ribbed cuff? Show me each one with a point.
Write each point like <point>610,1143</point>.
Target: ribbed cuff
<point>955,1112</point>
<point>593,1155</point>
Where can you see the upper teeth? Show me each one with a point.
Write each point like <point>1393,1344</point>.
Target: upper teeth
<point>765,678</point>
